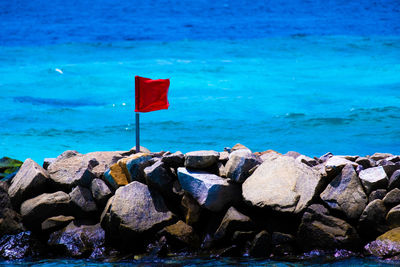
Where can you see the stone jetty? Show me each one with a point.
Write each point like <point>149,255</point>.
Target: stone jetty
<point>107,205</point>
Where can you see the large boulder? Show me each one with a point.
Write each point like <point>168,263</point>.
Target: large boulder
<point>136,211</point>
<point>201,159</point>
<point>34,211</point>
<point>386,245</point>
<point>82,202</point>
<point>29,182</point>
<point>115,176</point>
<point>319,230</point>
<point>232,221</point>
<point>282,184</point>
<point>373,178</point>
<point>239,165</point>
<point>392,198</point>
<point>174,160</point>
<point>100,192</point>
<point>71,170</point>
<point>211,191</point>
<point>78,240</point>
<point>346,194</point>
<point>134,166</point>
<point>372,221</point>
<point>158,177</point>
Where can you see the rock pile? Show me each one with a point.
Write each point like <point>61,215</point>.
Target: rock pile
<point>229,203</point>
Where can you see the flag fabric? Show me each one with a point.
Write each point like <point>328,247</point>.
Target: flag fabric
<point>151,95</point>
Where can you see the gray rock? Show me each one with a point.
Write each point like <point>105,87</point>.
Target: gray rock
<point>47,162</point>
<point>100,191</point>
<point>136,211</point>
<point>158,177</point>
<point>372,221</point>
<point>393,217</point>
<point>261,245</point>
<point>82,202</point>
<point>221,170</point>
<point>105,159</point>
<point>319,230</point>
<point>377,194</point>
<point>135,166</point>
<point>386,245</point>
<point>394,181</point>
<point>201,159</point>
<point>307,160</point>
<point>390,167</point>
<point>282,184</point>
<point>338,162</point>
<point>365,162</point>
<point>77,240</point>
<point>233,221</point>
<point>56,223</point>
<point>34,211</point>
<point>394,159</point>
<point>211,191</point>
<point>68,172</point>
<point>30,181</point>
<point>325,157</point>
<point>223,157</point>
<point>239,164</point>
<point>373,178</point>
<point>346,194</point>
<point>174,160</point>
<point>378,156</point>
<point>392,198</point>
<point>293,154</point>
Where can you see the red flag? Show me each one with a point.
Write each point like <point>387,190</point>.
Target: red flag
<point>151,95</point>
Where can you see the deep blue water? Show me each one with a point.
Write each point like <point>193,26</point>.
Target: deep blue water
<point>309,76</point>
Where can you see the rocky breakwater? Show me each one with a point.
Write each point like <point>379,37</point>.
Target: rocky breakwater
<point>105,205</point>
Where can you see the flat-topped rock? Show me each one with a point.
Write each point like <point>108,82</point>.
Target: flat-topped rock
<point>373,178</point>
<point>211,191</point>
<point>56,223</point>
<point>282,184</point>
<point>202,159</point>
<point>346,194</point>
<point>378,156</point>
<point>29,182</point>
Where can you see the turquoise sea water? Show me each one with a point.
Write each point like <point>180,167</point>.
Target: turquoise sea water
<point>311,94</point>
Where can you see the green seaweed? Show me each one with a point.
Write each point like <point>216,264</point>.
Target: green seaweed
<point>8,166</point>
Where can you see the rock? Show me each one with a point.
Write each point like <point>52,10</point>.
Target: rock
<point>100,192</point>
<point>372,221</point>
<point>191,209</point>
<point>392,198</point>
<point>78,240</point>
<point>105,215</point>
<point>134,166</point>
<point>346,194</point>
<point>68,154</point>
<point>30,181</point>
<point>393,159</point>
<point>282,244</point>
<point>293,154</point>
<point>325,157</point>
<point>232,221</point>
<point>268,155</point>
<point>386,245</point>
<point>379,156</point>
<point>221,170</point>
<point>338,162</point>
<point>142,150</point>
<point>47,162</point>
<point>158,177</point>
<point>307,160</point>
<point>82,202</point>
<point>137,211</point>
<point>373,178</point>
<point>283,185</point>
<point>393,217</point>
<point>242,238</point>
<point>201,159</point>
<point>174,160</point>
<point>20,246</point>
<point>390,168</point>
<point>105,159</point>
<point>56,223</point>
<point>377,194</point>
<point>210,191</point>
<point>10,221</point>
<point>8,166</point>
<point>239,164</point>
<point>34,211</point>
<point>319,230</point>
<point>223,157</point>
<point>261,245</point>
<point>116,177</point>
<point>365,162</point>
<point>394,181</point>
<point>180,235</point>
<point>239,146</point>
<point>71,170</point>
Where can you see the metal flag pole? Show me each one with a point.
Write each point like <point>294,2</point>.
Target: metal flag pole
<point>137,133</point>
